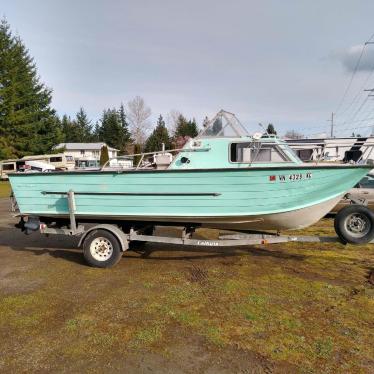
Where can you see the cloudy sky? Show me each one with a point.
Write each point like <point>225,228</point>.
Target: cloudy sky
<point>287,62</point>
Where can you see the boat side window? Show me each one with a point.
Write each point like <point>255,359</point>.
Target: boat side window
<point>246,152</point>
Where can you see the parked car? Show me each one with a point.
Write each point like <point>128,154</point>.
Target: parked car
<point>362,190</point>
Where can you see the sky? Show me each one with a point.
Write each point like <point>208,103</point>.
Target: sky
<point>284,62</point>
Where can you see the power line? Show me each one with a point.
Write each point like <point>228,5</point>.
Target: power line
<point>360,127</point>
<point>369,112</point>
<point>351,80</point>
<point>353,75</point>
<point>355,114</point>
<point>365,119</point>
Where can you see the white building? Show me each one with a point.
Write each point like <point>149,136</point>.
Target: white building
<point>334,149</point>
<point>86,151</point>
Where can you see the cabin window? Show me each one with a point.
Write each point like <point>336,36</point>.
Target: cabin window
<point>55,159</point>
<point>8,166</point>
<point>305,154</point>
<point>246,153</point>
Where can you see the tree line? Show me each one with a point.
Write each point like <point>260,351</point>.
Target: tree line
<point>30,125</point>
<point>127,126</point>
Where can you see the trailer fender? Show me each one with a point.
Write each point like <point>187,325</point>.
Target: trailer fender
<point>115,230</point>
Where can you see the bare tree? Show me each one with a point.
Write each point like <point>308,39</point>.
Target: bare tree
<point>138,114</point>
<point>292,134</point>
<point>172,121</point>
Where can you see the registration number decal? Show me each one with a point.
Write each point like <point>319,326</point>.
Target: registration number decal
<point>291,177</point>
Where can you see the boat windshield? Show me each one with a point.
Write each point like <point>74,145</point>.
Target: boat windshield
<point>223,124</point>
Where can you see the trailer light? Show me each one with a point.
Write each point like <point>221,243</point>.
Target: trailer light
<point>272,178</point>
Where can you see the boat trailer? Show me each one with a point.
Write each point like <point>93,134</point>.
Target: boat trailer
<point>104,244</point>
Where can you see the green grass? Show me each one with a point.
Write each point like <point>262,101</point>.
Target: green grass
<point>4,189</point>
<point>308,305</point>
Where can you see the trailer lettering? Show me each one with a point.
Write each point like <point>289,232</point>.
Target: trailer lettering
<point>208,243</point>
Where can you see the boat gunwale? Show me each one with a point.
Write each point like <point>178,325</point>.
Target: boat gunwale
<point>134,171</point>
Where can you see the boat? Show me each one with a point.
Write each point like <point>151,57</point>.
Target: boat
<point>224,178</point>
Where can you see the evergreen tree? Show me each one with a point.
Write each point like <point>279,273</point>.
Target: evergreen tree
<point>109,129</point>
<point>27,122</point>
<point>270,129</point>
<point>159,135</point>
<point>124,134</point>
<point>114,128</point>
<point>186,128</point>
<point>96,133</point>
<point>70,130</point>
<point>6,151</point>
<point>83,125</point>
<point>104,155</point>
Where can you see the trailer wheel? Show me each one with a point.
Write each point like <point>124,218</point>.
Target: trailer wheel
<point>101,249</point>
<point>355,224</point>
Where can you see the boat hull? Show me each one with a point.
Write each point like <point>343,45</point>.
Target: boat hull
<point>249,199</point>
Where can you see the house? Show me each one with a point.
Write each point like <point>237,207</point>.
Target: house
<point>86,151</point>
<point>334,149</point>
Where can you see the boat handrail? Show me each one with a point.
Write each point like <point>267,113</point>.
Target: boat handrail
<point>143,154</point>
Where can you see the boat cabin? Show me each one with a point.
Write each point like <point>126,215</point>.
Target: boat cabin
<point>225,143</point>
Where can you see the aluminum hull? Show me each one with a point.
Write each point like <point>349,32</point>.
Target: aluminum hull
<point>278,198</point>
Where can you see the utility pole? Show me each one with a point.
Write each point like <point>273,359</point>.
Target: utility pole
<point>332,125</point>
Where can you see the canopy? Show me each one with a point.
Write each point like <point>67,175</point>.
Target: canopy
<point>223,124</point>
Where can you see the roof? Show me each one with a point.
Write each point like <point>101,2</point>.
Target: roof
<point>314,140</point>
<point>39,157</point>
<point>85,146</point>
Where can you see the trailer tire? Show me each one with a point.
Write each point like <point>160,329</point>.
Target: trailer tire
<point>101,249</point>
<point>354,224</point>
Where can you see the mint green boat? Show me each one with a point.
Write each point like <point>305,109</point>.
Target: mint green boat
<point>223,178</point>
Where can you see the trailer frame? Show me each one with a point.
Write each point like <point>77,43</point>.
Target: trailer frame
<point>141,235</point>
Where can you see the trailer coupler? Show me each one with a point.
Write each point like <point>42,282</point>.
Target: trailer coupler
<point>32,224</point>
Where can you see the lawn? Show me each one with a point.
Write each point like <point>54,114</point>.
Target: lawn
<point>4,189</point>
<point>286,308</point>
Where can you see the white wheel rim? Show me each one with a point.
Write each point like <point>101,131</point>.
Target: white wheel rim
<point>101,249</point>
